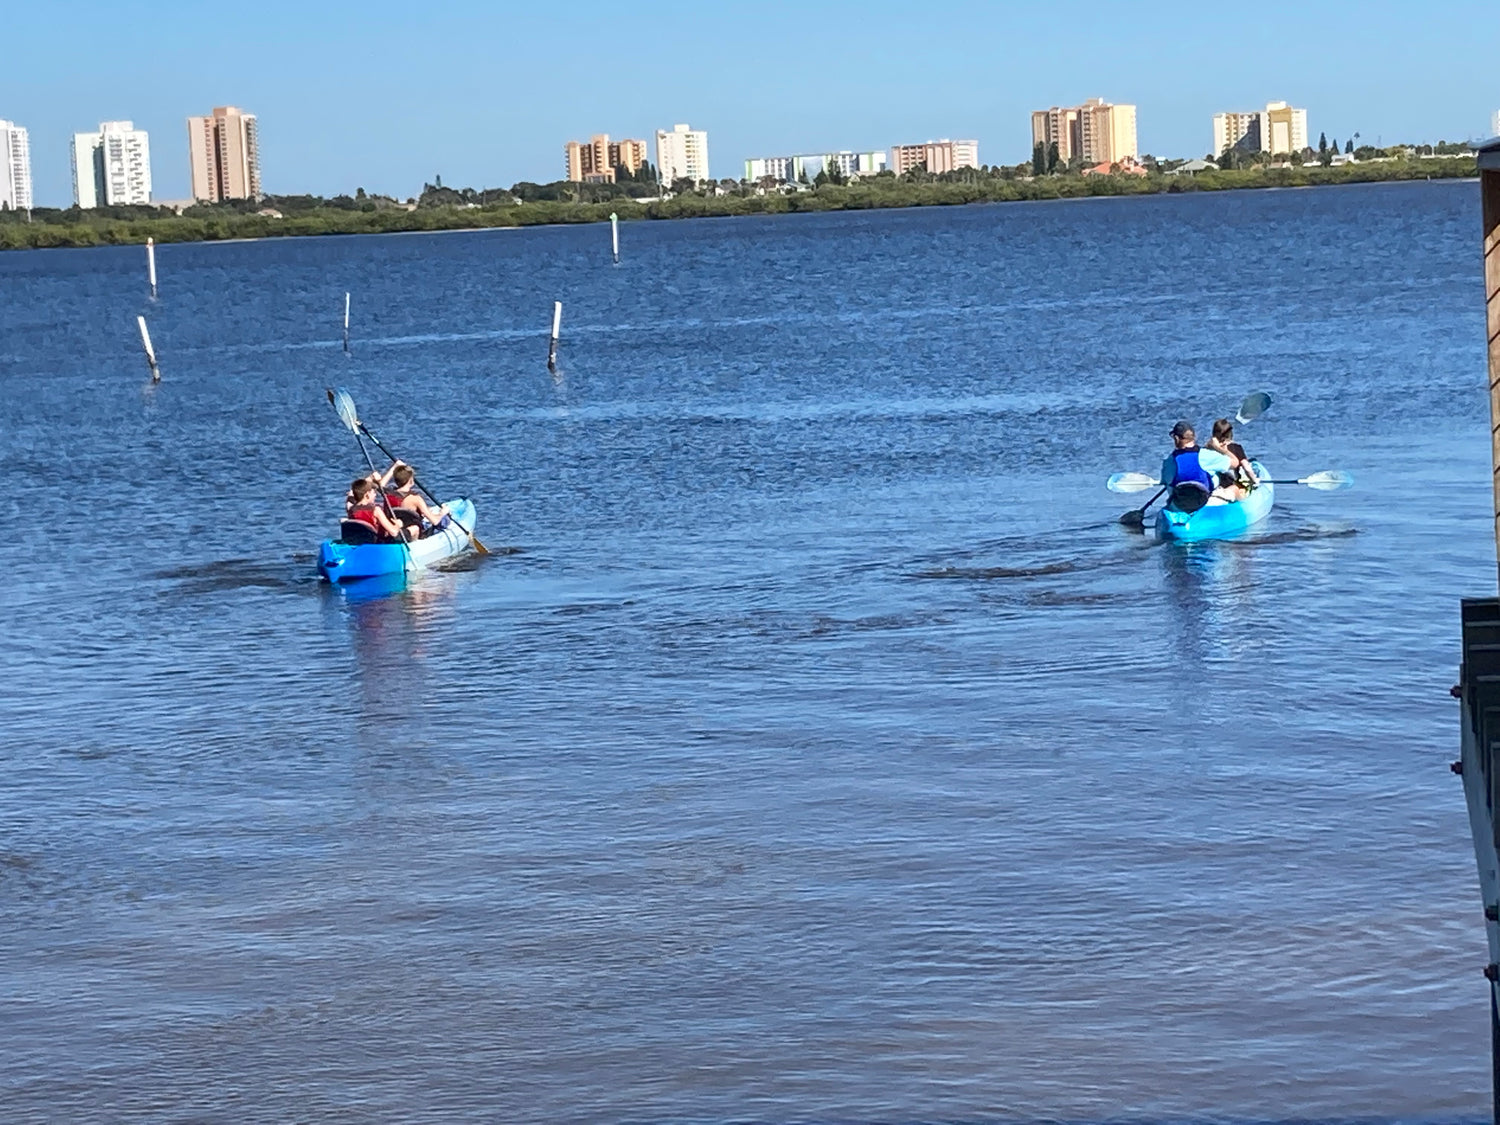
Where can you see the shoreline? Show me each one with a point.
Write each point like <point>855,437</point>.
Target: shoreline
<point>16,234</point>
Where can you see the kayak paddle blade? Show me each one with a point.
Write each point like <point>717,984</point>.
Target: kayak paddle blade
<point>344,404</point>
<point>1131,482</point>
<point>1135,518</point>
<point>1330,480</point>
<point>1253,407</point>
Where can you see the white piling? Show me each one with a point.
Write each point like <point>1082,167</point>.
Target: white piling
<point>150,351</point>
<point>151,264</point>
<point>614,234</point>
<point>346,323</point>
<point>556,328</point>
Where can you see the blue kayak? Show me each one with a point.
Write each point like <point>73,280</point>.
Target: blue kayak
<point>339,561</point>
<point>1216,520</point>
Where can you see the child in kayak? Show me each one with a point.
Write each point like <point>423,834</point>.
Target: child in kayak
<point>1223,442</point>
<point>403,499</point>
<point>366,505</point>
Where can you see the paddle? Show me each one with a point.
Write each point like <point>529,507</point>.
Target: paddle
<point>344,404</point>
<point>1329,480</point>
<point>1253,407</point>
<point>375,480</point>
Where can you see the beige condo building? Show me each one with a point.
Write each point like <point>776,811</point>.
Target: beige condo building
<point>1097,131</point>
<point>595,160</point>
<point>936,156</point>
<point>1279,129</point>
<point>224,154</point>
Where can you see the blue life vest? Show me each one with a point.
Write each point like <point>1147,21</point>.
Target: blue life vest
<point>1187,471</point>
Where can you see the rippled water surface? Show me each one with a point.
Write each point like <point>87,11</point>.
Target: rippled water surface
<point>818,746</point>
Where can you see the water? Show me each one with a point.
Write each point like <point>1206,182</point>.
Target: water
<point>816,745</point>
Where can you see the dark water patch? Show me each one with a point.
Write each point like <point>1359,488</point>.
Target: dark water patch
<point>222,575</point>
<point>981,573</point>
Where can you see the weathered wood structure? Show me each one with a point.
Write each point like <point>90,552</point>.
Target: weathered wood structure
<point>1479,678</point>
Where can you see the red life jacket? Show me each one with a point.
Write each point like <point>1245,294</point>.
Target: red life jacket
<point>394,498</point>
<point>365,513</point>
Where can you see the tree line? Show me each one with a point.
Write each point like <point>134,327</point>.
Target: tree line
<point>361,213</point>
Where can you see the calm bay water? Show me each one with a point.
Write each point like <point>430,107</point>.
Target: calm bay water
<point>822,748</point>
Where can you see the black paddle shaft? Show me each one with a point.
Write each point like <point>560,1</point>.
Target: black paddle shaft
<point>478,546</point>
<point>415,479</point>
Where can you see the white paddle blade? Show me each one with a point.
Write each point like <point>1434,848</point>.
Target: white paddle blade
<point>344,404</point>
<point>1131,482</point>
<point>1330,480</point>
<point>1253,407</point>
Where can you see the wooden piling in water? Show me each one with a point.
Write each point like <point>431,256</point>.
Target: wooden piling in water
<point>151,265</point>
<point>346,323</point>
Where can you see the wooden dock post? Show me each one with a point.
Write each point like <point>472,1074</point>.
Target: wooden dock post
<point>151,265</point>
<point>614,235</point>
<point>1478,688</point>
<point>346,324</point>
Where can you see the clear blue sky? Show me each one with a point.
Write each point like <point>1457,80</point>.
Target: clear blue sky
<point>385,95</point>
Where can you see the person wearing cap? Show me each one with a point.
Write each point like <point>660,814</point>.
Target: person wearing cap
<point>1190,472</point>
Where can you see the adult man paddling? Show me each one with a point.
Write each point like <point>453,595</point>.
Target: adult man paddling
<point>1190,472</point>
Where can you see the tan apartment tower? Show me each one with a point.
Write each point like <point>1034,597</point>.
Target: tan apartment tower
<point>1097,131</point>
<point>595,161</point>
<point>936,156</point>
<point>224,152</point>
<point>1279,129</point>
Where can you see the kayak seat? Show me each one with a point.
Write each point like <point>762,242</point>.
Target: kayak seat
<point>1189,497</point>
<point>356,533</point>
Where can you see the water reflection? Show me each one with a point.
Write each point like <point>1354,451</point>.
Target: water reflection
<point>397,625</point>
<point>1211,588</point>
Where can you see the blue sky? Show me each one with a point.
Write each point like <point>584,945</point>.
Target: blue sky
<point>385,95</point>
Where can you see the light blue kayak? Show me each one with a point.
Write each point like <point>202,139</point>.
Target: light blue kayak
<point>344,562</point>
<point>1219,521</point>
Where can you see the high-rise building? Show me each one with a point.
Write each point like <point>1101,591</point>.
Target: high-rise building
<point>682,154</point>
<point>112,168</point>
<point>808,165</point>
<point>15,167</point>
<point>224,155</point>
<point>1495,123</point>
<point>935,156</point>
<point>778,168</point>
<point>1278,129</point>
<point>595,161</point>
<point>1098,132</point>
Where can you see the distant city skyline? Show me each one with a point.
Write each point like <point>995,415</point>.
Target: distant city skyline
<point>864,75</point>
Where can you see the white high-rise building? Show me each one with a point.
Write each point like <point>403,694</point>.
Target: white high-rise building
<point>682,154</point>
<point>112,168</point>
<point>15,167</point>
<point>1495,123</point>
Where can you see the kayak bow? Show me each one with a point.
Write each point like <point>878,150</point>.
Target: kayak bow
<point>344,562</point>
